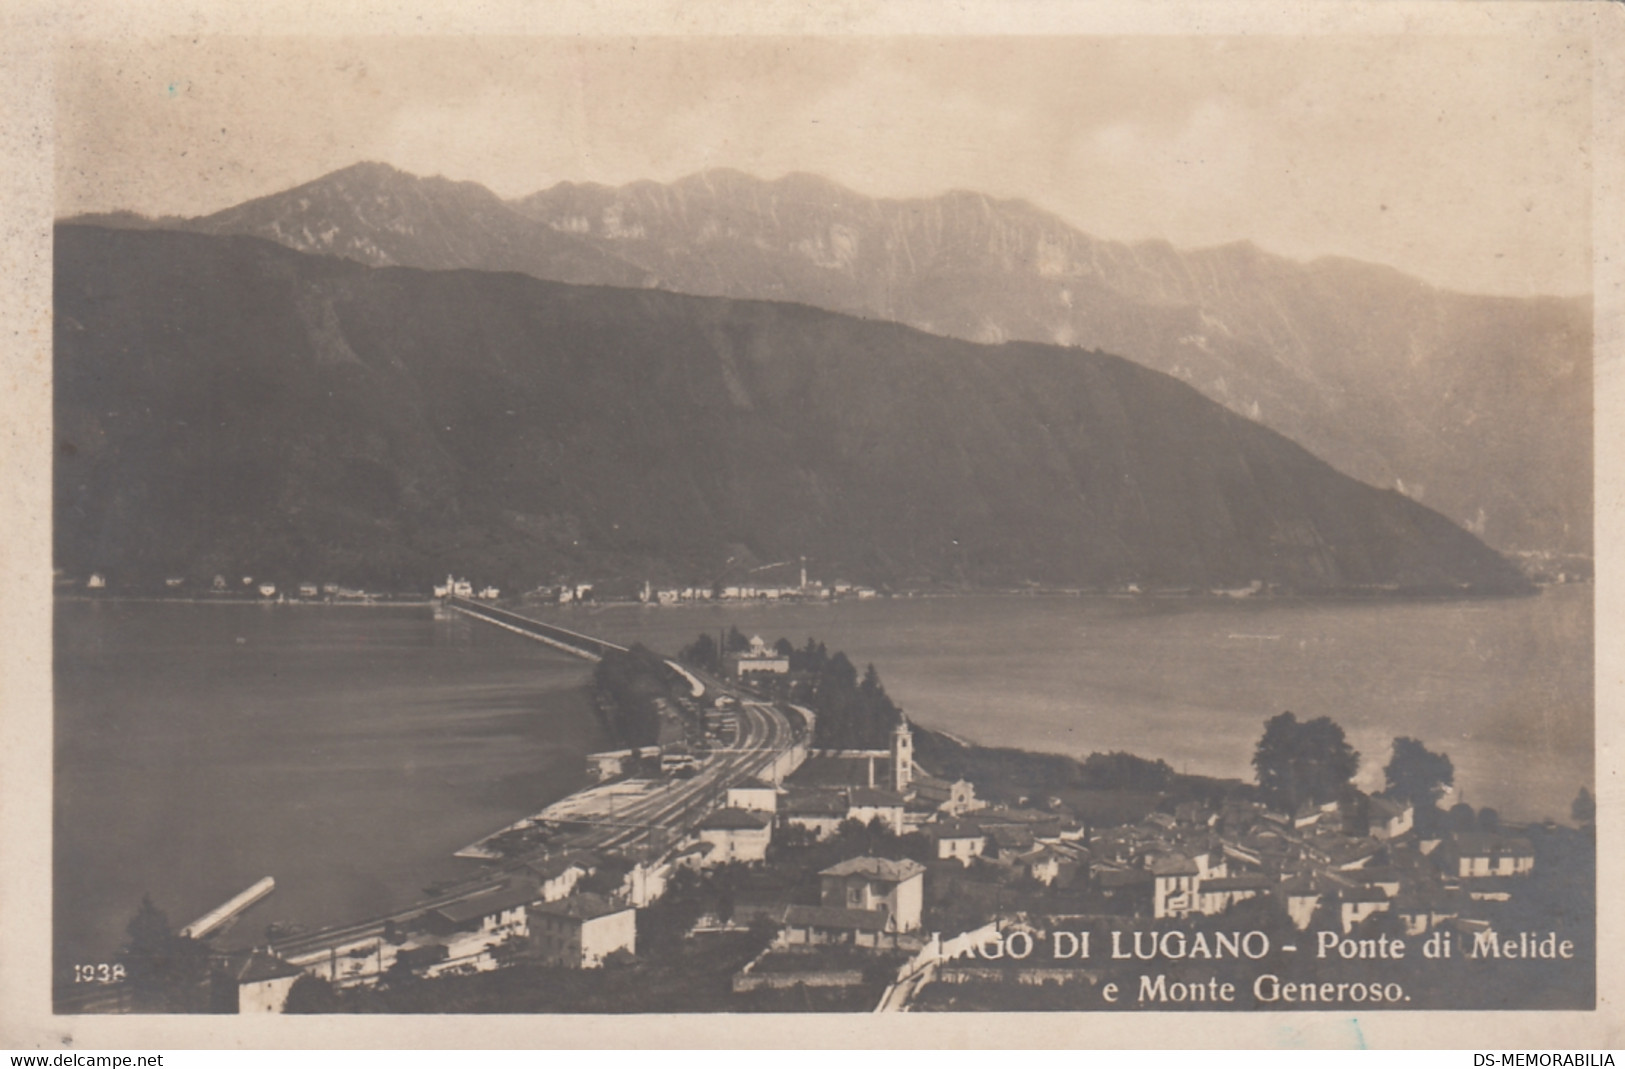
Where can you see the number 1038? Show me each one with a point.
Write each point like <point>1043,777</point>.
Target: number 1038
<point>98,974</point>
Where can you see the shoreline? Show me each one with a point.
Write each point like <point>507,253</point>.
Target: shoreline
<point>1374,595</point>
<point>145,599</point>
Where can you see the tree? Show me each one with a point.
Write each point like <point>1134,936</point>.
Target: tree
<point>701,653</point>
<point>1417,775</point>
<point>1125,771</point>
<point>1489,819</point>
<point>167,971</point>
<point>1308,761</point>
<point>311,994</point>
<point>1584,809</point>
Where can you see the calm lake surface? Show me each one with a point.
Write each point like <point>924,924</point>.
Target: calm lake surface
<point>345,751</point>
<point>1503,686</point>
<point>349,751</point>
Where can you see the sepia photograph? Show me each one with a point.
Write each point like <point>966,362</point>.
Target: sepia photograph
<point>801,523</point>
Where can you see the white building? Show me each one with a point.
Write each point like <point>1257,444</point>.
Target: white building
<point>953,797</point>
<point>956,841</point>
<point>1215,896</point>
<point>902,757</point>
<point>556,877</point>
<point>817,811</point>
<point>866,804</point>
<point>754,795</point>
<point>1482,854</point>
<point>1359,903</point>
<point>257,981</point>
<point>761,658</point>
<point>736,835</point>
<point>1390,819</point>
<point>874,883</point>
<point>1173,888</point>
<point>494,914</point>
<point>582,930</point>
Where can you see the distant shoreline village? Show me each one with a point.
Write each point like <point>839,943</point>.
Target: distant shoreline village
<point>781,583</point>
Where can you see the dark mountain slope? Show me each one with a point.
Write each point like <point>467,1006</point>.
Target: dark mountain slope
<point>1477,406</point>
<point>227,405</point>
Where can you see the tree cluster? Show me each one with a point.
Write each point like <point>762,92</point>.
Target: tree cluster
<point>1311,761</point>
<point>853,713</point>
<point>168,973</point>
<point>1303,761</point>
<point>630,688</point>
<point>702,653</point>
<point>1417,775</point>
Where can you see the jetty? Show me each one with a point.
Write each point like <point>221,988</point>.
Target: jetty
<point>228,909</point>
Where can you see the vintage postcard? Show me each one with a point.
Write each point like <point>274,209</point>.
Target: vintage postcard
<point>812,517</point>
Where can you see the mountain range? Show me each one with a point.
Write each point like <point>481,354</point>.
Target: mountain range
<point>1477,406</point>
<point>227,405</point>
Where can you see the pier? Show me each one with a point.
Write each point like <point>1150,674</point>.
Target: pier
<point>228,909</point>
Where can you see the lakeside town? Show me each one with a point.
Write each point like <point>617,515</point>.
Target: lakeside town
<point>738,581</point>
<point>775,834</point>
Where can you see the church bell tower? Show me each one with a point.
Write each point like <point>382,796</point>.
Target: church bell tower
<point>902,757</point>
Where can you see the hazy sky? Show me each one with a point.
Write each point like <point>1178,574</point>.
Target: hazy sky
<point>1463,160</point>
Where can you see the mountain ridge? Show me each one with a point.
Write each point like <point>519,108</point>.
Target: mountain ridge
<point>1476,405</point>
<point>226,404</point>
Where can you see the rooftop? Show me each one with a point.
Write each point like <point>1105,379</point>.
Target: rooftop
<point>863,920</point>
<point>1253,882</point>
<point>832,770</point>
<point>1484,843</point>
<point>1011,838</point>
<point>483,905</point>
<point>258,965</point>
<point>735,819</point>
<point>876,868</point>
<point>1387,806</point>
<point>1117,878</point>
<point>867,796</point>
<point>814,803</point>
<point>585,907</point>
<point>1174,865</point>
<point>953,829</point>
<point>554,867</point>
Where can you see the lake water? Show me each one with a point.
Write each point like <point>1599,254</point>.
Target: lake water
<point>1503,686</point>
<point>345,751</point>
<point>349,751</point>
